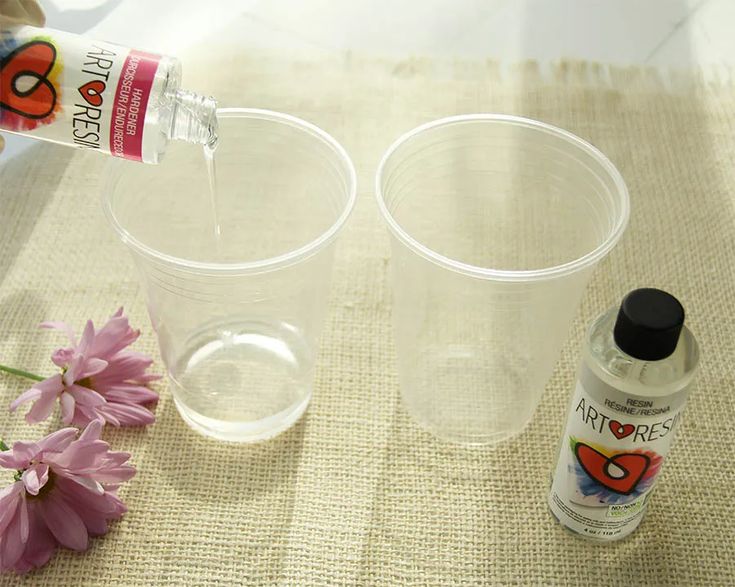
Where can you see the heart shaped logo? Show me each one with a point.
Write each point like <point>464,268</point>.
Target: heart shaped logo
<point>25,89</point>
<point>621,430</point>
<point>92,92</point>
<point>619,473</point>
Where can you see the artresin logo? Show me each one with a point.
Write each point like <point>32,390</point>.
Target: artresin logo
<point>87,119</point>
<point>28,97</point>
<point>92,92</point>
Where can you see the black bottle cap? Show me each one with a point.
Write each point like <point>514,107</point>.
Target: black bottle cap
<point>648,325</point>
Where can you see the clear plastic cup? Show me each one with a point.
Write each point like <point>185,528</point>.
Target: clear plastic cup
<point>238,317</point>
<point>497,223</point>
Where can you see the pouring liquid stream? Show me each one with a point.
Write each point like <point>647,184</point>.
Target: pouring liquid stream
<point>210,150</point>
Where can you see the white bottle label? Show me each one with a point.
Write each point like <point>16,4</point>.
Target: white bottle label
<point>611,453</point>
<point>69,89</point>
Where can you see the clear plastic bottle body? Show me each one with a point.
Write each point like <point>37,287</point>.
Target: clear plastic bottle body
<point>622,418</point>
<point>634,376</point>
<point>70,90</point>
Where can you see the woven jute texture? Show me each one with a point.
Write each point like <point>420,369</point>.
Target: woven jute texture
<point>356,493</point>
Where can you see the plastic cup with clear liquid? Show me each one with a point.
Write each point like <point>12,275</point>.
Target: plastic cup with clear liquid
<point>497,223</point>
<point>237,283</point>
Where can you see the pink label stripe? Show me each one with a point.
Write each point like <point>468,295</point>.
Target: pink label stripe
<point>131,101</point>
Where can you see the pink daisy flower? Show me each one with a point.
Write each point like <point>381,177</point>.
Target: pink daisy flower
<point>98,379</point>
<point>65,491</point>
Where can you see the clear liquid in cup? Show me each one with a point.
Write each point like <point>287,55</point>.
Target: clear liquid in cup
<point>256,375</point>
<point>244,382</point>
<point>234,247</point>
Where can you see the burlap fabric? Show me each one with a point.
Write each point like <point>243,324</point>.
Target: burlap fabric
<point>356,493</point>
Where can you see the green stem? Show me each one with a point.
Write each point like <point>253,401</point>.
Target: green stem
<point>3,446</point>
<point>21,373</point>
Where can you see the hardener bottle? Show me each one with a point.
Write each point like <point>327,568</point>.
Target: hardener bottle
<point>71,90</point>
<point>638,364</point>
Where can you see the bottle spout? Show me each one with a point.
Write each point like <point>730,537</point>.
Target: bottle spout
<point>194,119</point>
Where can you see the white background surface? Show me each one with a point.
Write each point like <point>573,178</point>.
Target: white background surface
<point>661,33</point>
<point>657,32</point>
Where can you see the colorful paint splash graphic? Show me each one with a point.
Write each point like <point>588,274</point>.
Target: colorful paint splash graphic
<point>639,466</point>
<point>30,89</point>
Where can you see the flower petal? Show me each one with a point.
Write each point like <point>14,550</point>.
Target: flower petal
<point>40,545</point>
<point>88,483</point>
<point>84,415</point>
<point>93,431</point>
<point>12,545</point>
<point>115,459</point>
<point>9,500</point>
<point>28,395</point>
<point>113,337</point>
<point>67,408</point>
<point>125,365</point>
<point>107,504</point>
<point>126,393</point>
<point>8,460</point>
<point>62,357</point>
<point>63,522</point>
<point>87,340</point>
<point>74,367</point>
<point>35,477</point>
<point>92,366</point>
<point>24,524</point>
<point>84,396</point>
<point>110,418</point>
<point>59,440</point>
<point>130,358</point>
<point>79,457</point>
<point>147,378</point>
<point>7,492</point>
<point>19,456</point>
<point>115,474</point>
<point>51,386</point>
<point>96,524</point>
<point>42,408</point>
<point>127,414</point>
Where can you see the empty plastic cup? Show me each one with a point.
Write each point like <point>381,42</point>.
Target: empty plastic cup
<point>497,223</point>
<point>237,311</point>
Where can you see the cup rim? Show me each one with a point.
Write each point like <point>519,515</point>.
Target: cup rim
<point>554,271</point>
<point>260,265</point>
